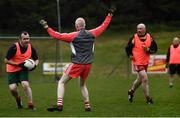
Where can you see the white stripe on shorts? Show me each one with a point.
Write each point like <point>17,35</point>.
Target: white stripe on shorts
<point>69,68</point>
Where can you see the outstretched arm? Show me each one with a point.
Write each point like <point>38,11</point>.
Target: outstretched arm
<point>99,30</point>
<point>67,37</point>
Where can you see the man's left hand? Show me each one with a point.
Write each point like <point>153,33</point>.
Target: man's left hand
<point>146,49</point>
<point>32,68</point>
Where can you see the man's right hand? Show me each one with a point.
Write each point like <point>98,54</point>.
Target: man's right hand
<point>44,23</point>
<point>22,66</point>
<point>167,65</point>
<point>112,10</point>
<point>131,57</point>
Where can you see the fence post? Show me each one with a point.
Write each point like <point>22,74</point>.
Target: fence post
<point>1,64</point>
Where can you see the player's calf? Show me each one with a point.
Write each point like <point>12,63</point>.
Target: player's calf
<point>19,102</point>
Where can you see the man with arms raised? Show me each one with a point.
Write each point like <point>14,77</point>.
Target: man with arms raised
<point>82,47</point>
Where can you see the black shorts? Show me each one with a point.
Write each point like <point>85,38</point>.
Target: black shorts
<point>174,68</point>
<point>17,77</point>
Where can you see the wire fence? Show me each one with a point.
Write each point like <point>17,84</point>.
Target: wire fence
<point>7,41</point>
<point>47,54</point>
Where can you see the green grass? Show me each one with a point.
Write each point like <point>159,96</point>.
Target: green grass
<point>108,94</point>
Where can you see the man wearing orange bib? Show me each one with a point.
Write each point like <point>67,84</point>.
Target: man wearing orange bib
<point>138,49</point>
<point>17,72</point>
<point>173,60</point>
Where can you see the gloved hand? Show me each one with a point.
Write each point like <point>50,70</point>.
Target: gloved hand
<point>44,23</point>
<point>167,65</point>
<point>32,68</point>
<point>131,57</point>
<point>146,49</point>
<point>22,66</point>
<point>112,9</point>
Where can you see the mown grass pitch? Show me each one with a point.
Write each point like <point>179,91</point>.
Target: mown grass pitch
<point>108,98</point>
<point>108,94</point>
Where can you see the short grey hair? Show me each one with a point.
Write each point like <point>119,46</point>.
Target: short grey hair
<point>80,22</point>
<point>24,34</point>
<point>176,40</point>
<point>141,25</point>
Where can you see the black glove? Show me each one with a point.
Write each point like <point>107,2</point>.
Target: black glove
<point>112,9</point>
<point>22,66</point>
<point>146,49</point>
<point>32,68</point>
<point>167,65</point>
<point>44,23</point>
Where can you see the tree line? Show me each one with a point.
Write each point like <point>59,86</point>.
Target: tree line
<point>18,15</point>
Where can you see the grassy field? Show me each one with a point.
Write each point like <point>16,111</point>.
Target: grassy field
<point>108,94</point>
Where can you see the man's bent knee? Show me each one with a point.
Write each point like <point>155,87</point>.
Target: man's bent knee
<point>64,78</point>
<point>25,84</point>
<point>12,86</point>
<point>144,80</point>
